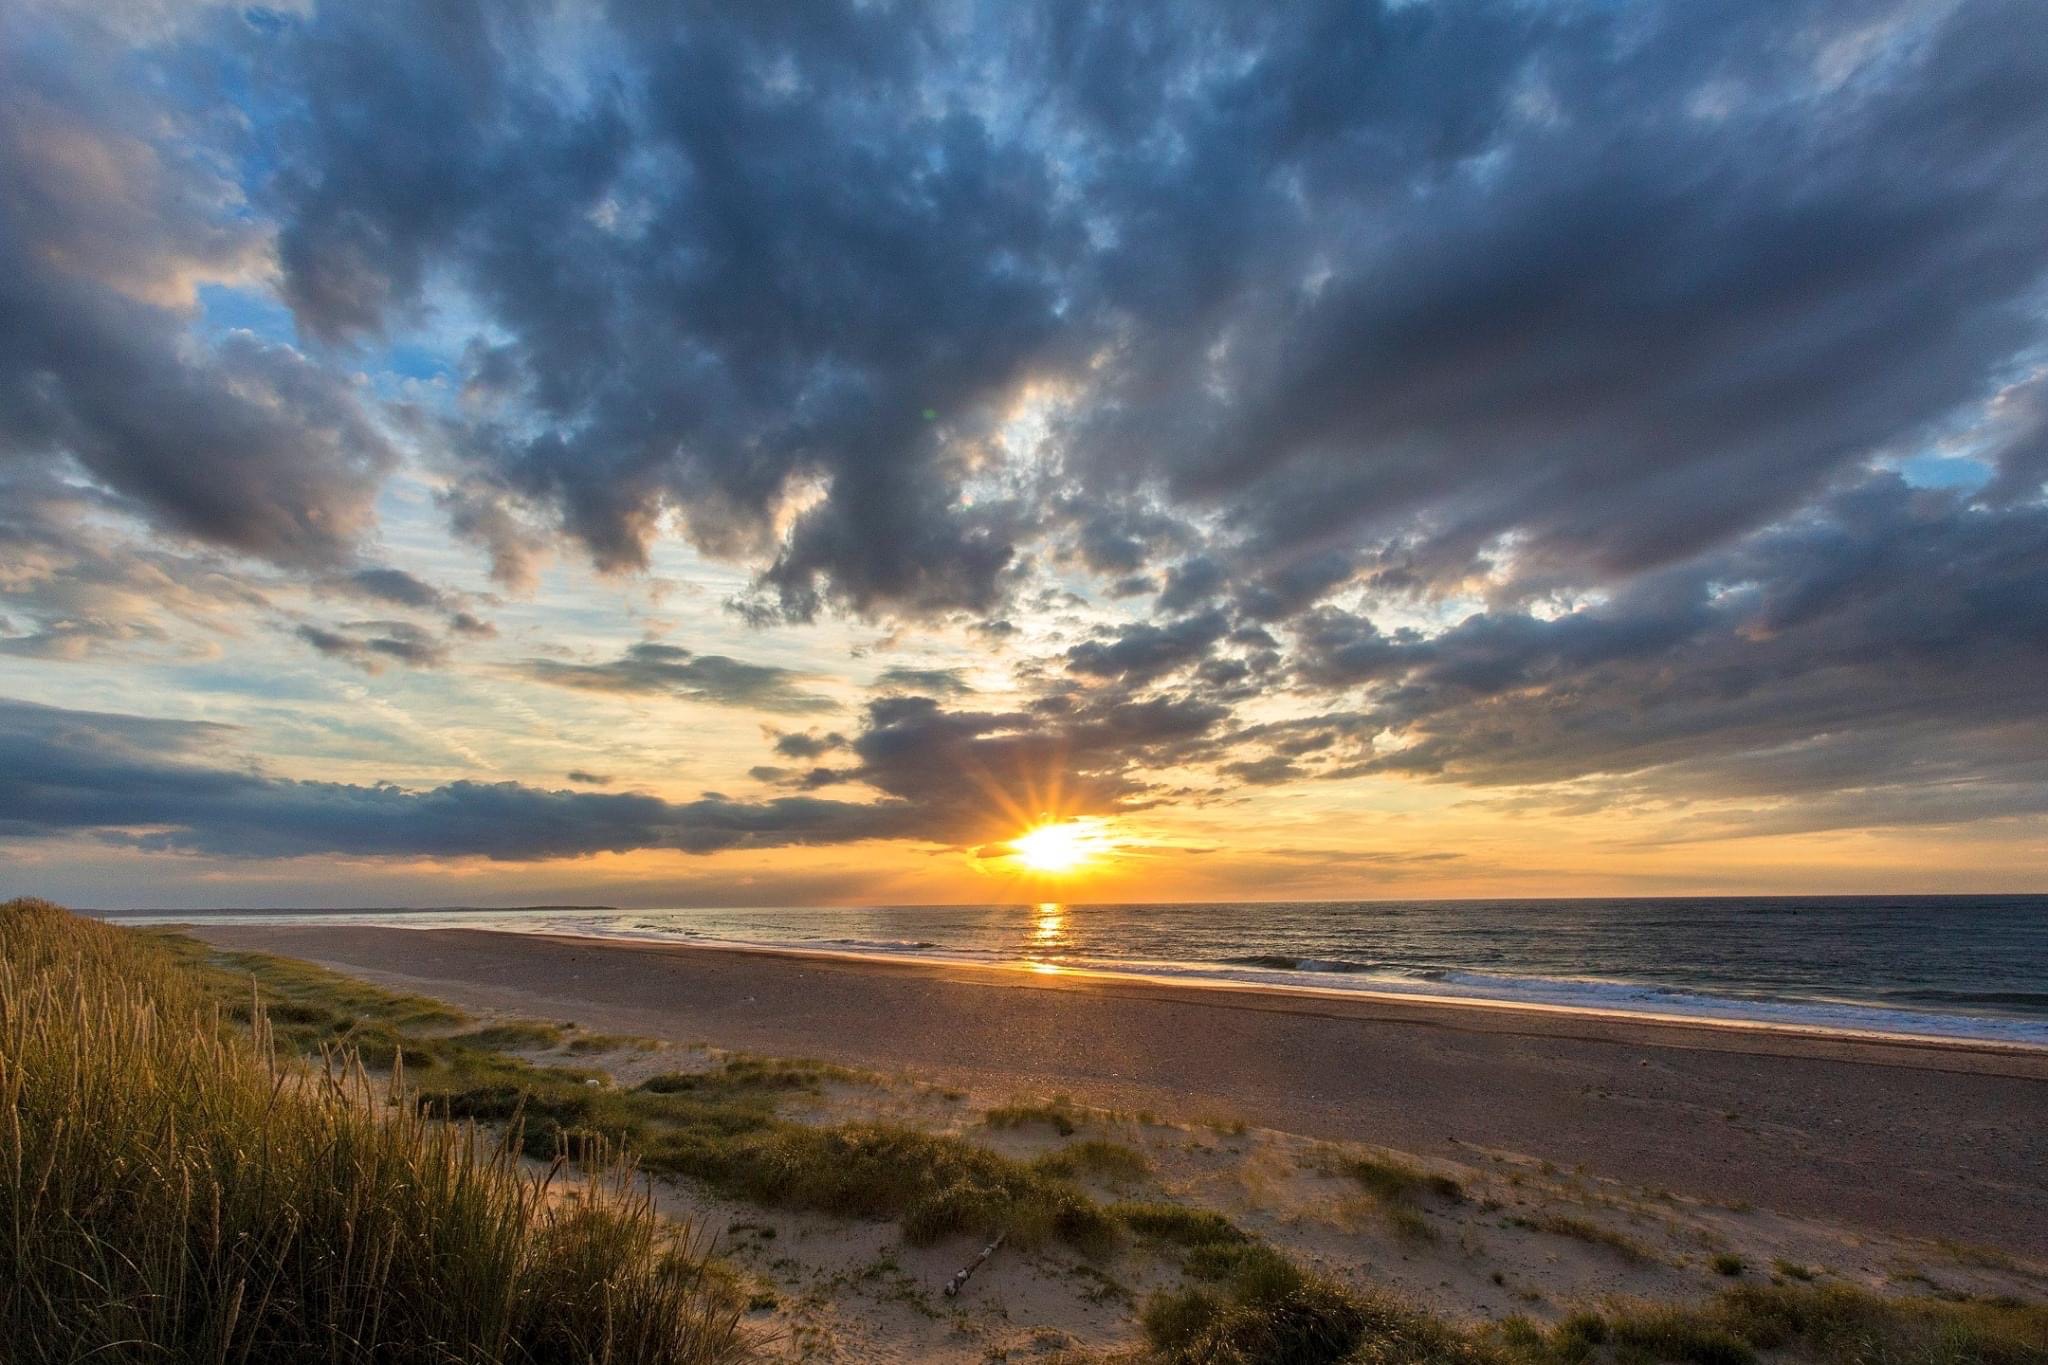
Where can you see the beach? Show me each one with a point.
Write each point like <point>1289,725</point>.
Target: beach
<point>1942,1142</point>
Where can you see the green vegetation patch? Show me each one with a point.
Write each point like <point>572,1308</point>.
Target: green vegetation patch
<point>1096,1157</point>
<point>935,1186</point>
<point>1272,1311</point>
<point>1393,1181</point>
<point>1057,1115</point>
<point>1177,1225</point>
<point>518,1036</point>
<point>1275,1312</point>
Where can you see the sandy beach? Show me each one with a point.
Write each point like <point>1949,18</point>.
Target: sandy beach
<point>1916,1140</point>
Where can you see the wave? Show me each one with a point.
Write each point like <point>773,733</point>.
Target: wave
<point>2037,1000</point>
<point>1648,999</point>
<point>1281,962</point>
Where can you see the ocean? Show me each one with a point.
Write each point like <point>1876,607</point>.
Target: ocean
<point>1941,966</point>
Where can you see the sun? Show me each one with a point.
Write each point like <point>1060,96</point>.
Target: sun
<point>1058,848</point>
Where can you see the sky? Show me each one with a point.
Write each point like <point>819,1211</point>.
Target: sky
<point>665,454</point>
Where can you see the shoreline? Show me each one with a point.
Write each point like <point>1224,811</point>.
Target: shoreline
<point>1052,971</point>
<point>1931,1140</point>
<point>1993,1032</point>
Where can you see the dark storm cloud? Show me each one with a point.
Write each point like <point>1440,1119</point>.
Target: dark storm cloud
<point>149,784</point>
<point>673,671</point>
<point>1191,583</point>
<point>945,777</point>
<point>1618,282</point>
<point>1142,652</point>
<point>1892,643</point>
<point>110,214</point>
<point>756,257</point>
<point>1280,592</point>
<point>2019,440</point>
<point>1621,282</point>
<point>1118,538</point>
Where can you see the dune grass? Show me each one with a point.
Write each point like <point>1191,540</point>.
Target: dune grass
<point>1098,1157</point>
<point>1057,1115</point>
<point>173,1192</point>
<point>1593,1234</point>
<point>1398,1182</point>
<point>934,1185</point>
<point>1832,1325</point>
<point>1261,1309</point>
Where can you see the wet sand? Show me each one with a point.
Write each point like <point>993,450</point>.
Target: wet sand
<point>1931,1140</point>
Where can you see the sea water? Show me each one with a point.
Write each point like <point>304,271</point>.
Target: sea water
<point>1941,966</point>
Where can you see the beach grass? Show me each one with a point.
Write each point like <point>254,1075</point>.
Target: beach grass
<point>1391,1180</point>
<point>174,1191</point>
<point>1057,1115</point>
<point>1834,1324</point>
<point>933,1185</point>
<point>1097,1157</point>
<point>1263,1309</point>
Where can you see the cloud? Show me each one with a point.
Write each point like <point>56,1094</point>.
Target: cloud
<point>113,215</point>
<point>146,783</point>
<point>1191,583</point>
<point>1595,318</point>
<point>798,323</point>
<point>713,297</point>
<point>1886,647</point>
<point>82,589</point>
<point>370,644</point>
<point>939,682</point>
<point>808,745</point>
<point>673,671</point>
<point>395,586</point>
<point>976,775</point>
<point>1142,652</point>
<point>1261,772</point>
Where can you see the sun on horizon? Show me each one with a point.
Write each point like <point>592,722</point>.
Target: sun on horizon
<point>1060,848</point>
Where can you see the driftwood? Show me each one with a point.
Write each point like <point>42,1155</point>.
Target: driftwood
<point>960,1278</point>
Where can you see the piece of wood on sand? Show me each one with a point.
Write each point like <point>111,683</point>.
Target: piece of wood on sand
<point>960,1276</point>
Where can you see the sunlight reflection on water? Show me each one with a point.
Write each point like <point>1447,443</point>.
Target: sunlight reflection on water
<point>1050,932</point>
